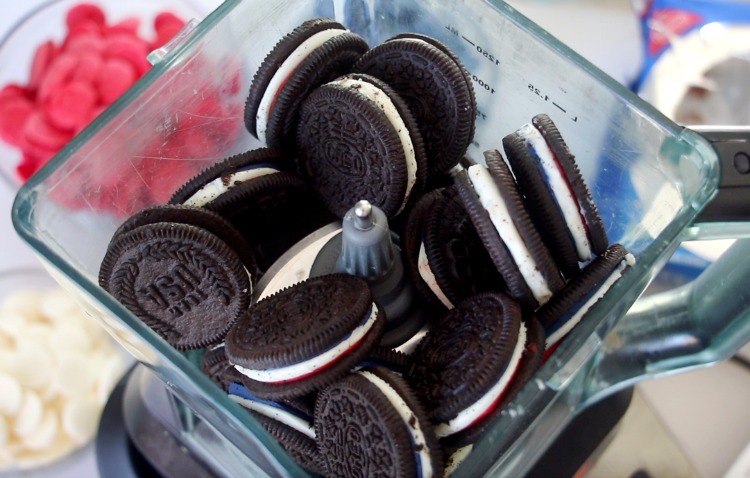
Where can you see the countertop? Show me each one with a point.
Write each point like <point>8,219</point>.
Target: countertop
<point>607,33</point>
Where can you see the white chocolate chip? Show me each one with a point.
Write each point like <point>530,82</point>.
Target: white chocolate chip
<point>24,301</point>
<point>44,434</point>
<point>30,414</point>
<point>11,394</point>
<point>80,418</point>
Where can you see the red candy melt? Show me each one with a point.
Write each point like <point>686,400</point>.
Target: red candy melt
<point>71,82</point>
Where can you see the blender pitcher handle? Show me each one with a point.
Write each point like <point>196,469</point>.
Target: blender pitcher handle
<point>694,325</point>
<point>704,321</point>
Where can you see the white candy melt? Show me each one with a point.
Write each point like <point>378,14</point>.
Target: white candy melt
<point>29,416</point>
<point>56,370</point>
<point>565,198</point>
<point>492,201</point>
<point>11,394</point>
<point>44,434</point>
<point>80,417</point>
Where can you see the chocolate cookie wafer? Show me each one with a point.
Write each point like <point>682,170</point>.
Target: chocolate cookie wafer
<point>499,215</point>
<point>272,213</point>
<point>568,307</point>
<point>291,425</point>
<point>224,175</point>
<point>356,140</point>
<point>370,423</point>
<point>199,217</point>
<point>446,258</point>
<point>437,89</point>
<point>314,53</point>
<point>306,336</point>
<point>556,195</point>
<point>467,362</point>
<point>182,281</point>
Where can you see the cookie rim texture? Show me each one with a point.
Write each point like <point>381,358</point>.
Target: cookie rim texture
<point>371,395</point>
<point>454,285</point>
<point>411,244</point>
<point>531,360</point>
<point>454,139</point>
<point>301,448</point>
<point>271,63</point>
<point>201,242</point>
<point>334,58</point>
<point>389,147</point>
<point>508,187</point>
<point>590,278</point>
<point>242,200</point>
<point>273,156</point>
<point>203,218</point>
<point>499,338</point>
<point>356,305</point>
<point>515,283</point>
<point>596,231</point>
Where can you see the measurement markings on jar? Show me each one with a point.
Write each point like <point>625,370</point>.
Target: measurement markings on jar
<point>481,116</point>
<point>483,85</point>
<point>482,51</point>
<point>539,93</point>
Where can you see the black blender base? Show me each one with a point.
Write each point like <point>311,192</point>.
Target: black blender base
<point>154,452</point>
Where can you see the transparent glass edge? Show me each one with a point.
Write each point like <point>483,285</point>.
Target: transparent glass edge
<point>22,212</point>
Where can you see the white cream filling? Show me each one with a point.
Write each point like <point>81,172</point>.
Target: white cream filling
<point>278,414</point>
<point>558,334</point>
<point>219,186</point>
<point>423,266</point>
<point>306,367</point>
<point>457,458</point>
<point>492,201</point>
<point>376,95</point>
<point>470,414</point>
<point>411,421</point>
<point>281,75</point>
<point>567,202</point>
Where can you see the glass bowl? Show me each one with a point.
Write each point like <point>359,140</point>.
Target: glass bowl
<point>63,364</point>
<point>47,22</point>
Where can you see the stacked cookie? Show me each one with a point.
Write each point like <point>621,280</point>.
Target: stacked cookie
<point>505,261</point>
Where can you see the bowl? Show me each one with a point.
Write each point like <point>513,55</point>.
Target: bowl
<point>649,177</point>
<point>23,51</point>
<point>57,367</point>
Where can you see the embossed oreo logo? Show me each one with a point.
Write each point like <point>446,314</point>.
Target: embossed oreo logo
<point>176,292</point>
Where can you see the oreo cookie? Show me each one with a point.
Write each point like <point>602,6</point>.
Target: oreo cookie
<point>195,216</point>
<point>240,168</point>
<point>499,215</point>
<point>215,365</point>
<point>437,89</point>
<point>557,197</point>
<point>314,53</point>
<point>356,139</point>
<point>567,308</point>
<point>185,283</point>
<point>446,259</point>
<point>370,423</point>
<point>272,213</point>
<point>467,362</point>
<point>294,342</point>
<point>291,425</point>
